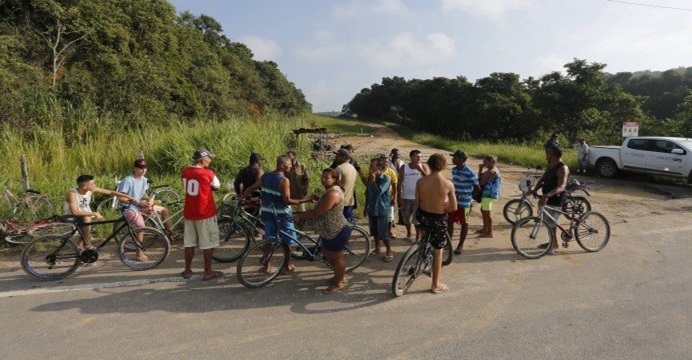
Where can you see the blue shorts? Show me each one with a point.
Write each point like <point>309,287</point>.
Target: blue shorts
<point>348,213</point>
<point>286,223</point>
<point>379,226</point>
<point>339,242</point>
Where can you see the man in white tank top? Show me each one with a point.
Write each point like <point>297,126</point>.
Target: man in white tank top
<point>409,175</point>
<point>77,204</point>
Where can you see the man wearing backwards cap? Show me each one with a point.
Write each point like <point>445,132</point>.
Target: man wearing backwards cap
<point>136,186</point>
<point>201,229</point>
<point>465,183</point>
<point>347,180</point>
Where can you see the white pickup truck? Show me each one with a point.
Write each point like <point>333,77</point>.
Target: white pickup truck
<point>667,156</point>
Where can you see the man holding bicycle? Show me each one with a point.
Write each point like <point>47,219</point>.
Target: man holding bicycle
<point>276,203</point>
<point>552,184</point>
<point>77,202</point>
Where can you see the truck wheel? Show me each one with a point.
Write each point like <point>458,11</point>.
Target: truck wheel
<point>606,168</point>
<point>689,178</point>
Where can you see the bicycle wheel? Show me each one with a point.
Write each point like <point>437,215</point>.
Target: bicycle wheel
<point>531,237</point>
<point>262,263</point>
<point>17,238</point>
<point>517,209</point>
<point>50,257</point>
<point>106,205</point>
<point>153,244</point>
<point>447,252</point>
<point>54,228</point>
<point>167,195</point>
<point>234,239</point>
<point>592,231</point>
<point>357,249</point>
<point>41,207</point>
<point>297,252</point>
<point>576,205</point>
<point>408,269</point>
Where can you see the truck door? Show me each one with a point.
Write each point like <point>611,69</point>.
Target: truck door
<point>635,154</point>
<point>666,157</point>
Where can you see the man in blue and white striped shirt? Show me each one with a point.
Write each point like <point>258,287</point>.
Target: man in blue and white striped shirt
<point>465,183</point>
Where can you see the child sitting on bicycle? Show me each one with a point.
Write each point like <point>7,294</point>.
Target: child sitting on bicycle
<point>136,186</point>
<point>77,202</point>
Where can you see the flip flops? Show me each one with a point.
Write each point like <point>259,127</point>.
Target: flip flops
<point>388,258</point>
<point>457,251</point>
<point>185,276</point>
<point>216,274</point>
<point>440,289</point>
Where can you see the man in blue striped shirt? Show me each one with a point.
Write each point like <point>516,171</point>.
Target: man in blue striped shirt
<point>465,183</point>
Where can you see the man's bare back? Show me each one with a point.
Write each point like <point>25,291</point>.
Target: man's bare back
<point>433,191</point>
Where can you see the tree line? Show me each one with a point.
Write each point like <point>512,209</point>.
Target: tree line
<point>79,64</point>
<point>584,101</point>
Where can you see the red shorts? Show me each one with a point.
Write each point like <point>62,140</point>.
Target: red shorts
<point>460,216</point>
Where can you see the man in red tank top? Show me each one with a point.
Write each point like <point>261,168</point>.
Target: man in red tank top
<point>201,229</point>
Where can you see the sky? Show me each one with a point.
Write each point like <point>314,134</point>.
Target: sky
<point>333,49</point>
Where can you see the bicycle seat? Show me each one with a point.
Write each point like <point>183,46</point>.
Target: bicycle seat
<point>32,191</point>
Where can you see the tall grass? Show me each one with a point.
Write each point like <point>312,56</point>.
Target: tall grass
<point>54,163</point>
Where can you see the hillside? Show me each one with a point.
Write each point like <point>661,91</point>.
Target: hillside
<point>74,64</point>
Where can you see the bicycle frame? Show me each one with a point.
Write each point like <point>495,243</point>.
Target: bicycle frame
<point>543,211</point>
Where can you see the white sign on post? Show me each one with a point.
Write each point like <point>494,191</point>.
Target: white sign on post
<point>630,128</point>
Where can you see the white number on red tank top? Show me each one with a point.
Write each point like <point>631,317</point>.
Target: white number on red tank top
<point>191,187</point>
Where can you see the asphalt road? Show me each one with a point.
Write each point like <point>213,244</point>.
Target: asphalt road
<point>629,301</point>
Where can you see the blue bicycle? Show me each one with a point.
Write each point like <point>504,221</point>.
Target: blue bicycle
<point>266,259</point>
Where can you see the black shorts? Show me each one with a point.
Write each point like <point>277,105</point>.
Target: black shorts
<point>339,242</point>
<point>435,227</point>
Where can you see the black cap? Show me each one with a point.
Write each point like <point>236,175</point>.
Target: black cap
<point>343,152</point>
<point>200,153</point>
<point>460,154</point>
<point>255,157</point>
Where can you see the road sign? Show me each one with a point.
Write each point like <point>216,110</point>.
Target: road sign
<point>630,128</point>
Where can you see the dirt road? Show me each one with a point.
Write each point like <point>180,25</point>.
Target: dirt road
<point>618,199</point>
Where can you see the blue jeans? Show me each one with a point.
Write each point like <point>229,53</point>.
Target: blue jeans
<point>286,225</point>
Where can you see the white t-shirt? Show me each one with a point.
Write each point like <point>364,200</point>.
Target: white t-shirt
<point>83,202</point>
<point>408,184</point>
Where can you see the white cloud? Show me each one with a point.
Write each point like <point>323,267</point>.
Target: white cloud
<point>264,49</point>
<point>359,8</point>
<point>406,50</point>
<point>493,9</point>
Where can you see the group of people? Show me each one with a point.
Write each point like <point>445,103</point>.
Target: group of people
<point>425,201</point>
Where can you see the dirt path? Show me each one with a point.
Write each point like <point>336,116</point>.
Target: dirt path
<point>617,199</point>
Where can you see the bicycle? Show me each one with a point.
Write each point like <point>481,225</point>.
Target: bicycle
<point>416,260</point>
<point>532,237</point>
<point>54,257</point>
<point>266,259</point>
<point>16,232</point>
<point>517,209</point>
<point>238,229</point>
<point>32,204</point>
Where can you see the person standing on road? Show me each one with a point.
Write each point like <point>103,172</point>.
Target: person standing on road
<point>298,178</point>
<point>249,175</point>
<point>582,156</point>
<point>201,228</point>
<point>379,206</point>
<point>332,227</point>
<point>490,182</point>
<point>465,183</point>
<point>409,175</point>
<point>393,175</point>
<point>276,204</point>
<point>552,184</point>
<point>395,162</point>
<point>434,199</point>
<point>347,180</point>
